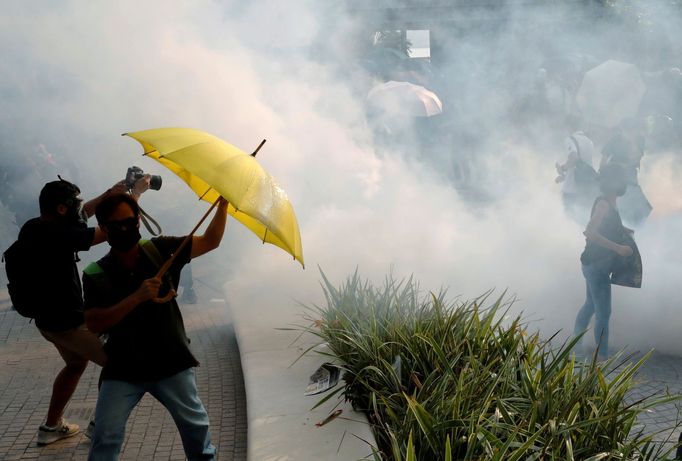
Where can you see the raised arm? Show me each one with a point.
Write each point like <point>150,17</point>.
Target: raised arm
<point>214,232</point>
<point>90,205</point>
<point>120,187</point>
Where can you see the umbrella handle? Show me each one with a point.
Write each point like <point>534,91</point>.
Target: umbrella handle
<point>168,263</point>
<point>171,294</point>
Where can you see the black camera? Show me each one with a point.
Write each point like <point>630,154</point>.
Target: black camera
<point>135,172</point>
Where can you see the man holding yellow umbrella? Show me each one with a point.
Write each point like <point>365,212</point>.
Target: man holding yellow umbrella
<point>129,293</point>
<point>147,346</point>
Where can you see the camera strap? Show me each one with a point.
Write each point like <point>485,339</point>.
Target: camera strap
<point>147,219</point>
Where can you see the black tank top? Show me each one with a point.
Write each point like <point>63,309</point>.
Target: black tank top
<point>611,228</point>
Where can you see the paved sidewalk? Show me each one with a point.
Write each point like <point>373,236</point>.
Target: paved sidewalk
<point>28,364</point>
<point>660,375</point>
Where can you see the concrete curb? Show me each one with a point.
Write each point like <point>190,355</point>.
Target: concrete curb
<point>281,424</point>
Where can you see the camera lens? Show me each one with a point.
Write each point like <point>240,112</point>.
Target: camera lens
<point>155,182</point>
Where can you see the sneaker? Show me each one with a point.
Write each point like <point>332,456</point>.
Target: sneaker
<point>47,434</point>
<point>189,296</point>
<point>90,430</point>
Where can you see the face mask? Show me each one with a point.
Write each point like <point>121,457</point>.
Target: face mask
<point>123,235</point>
<point>75,213</point>
<point>621,191</point>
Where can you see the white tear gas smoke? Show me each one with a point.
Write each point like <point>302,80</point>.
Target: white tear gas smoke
<point>77,74</point>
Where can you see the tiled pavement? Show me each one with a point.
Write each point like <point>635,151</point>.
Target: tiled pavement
<point>28,365</point>
<point>660,375</point>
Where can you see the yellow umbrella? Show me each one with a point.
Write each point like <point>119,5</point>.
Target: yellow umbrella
<point>213,168</point>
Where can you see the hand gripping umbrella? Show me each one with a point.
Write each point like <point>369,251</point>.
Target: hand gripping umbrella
<point>212,168</point>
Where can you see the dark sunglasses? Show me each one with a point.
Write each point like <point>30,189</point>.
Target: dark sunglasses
<point>123,224</point>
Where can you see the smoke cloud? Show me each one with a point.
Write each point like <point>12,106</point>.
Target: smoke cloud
<point>75,75</point>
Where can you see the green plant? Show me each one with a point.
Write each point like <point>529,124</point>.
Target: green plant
<point>464,380</point>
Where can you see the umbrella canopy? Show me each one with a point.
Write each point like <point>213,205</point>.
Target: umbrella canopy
<point>404,98</point>
<point>610,92</point>
<point>213,168</point>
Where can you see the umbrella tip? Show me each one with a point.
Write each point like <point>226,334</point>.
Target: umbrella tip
<point>258,148</point>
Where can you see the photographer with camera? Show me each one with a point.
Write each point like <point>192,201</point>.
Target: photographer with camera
<point>50,287</point>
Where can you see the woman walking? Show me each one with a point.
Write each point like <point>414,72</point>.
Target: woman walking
<point>604,243</point>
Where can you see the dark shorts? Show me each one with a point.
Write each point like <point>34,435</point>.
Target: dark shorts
<point>77,345</point>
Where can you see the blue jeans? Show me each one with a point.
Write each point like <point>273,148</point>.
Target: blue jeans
<point>597,303</point>
<point>177,393</point>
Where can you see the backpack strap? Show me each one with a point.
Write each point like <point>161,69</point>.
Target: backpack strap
<point>152,252</point>
<point>98,275</point>
<point>95,272</point>
<point>154,255</point>
<point>93,269</point>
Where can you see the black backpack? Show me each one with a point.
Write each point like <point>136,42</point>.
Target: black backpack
<point>19,260</point>
<point>584,173</point>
